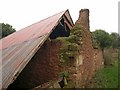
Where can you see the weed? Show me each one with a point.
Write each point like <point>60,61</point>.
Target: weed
<point>107,77</point>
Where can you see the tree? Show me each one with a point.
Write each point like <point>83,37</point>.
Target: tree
<point>115,40</point>
<point>6,29</point>
<point>102,38</point>
<point>119,42</point>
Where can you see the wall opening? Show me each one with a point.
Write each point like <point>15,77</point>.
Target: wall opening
<point>61,30</point>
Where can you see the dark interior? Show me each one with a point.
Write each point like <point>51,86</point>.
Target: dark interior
<point>61,30</point>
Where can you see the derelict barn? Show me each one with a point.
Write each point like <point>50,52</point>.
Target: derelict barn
<point>26,53</point>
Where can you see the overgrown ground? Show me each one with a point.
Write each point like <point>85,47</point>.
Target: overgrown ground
<point>107,77</point>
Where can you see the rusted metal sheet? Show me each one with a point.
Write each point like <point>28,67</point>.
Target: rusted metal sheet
<point>13,64</point>
<point>32,31</point>
<point>19,47</point>
<point>67,15</point>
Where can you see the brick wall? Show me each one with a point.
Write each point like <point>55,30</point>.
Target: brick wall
<point>44,66</point>
<point>91,59</point>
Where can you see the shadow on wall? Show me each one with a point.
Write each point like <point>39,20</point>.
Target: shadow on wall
<point>44,66</point>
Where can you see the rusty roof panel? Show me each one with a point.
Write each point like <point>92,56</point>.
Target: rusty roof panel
<point>67,14</point>
<point>19,47</point>
<point>14,63</point>
<point>32,31</point>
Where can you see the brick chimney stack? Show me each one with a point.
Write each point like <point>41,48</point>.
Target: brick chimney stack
<point>83,19</point>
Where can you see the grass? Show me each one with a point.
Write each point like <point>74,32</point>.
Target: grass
<point>107,77</point>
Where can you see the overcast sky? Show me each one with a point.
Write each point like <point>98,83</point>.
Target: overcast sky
<point>22,13</point>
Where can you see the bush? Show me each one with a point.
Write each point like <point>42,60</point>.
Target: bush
<point>107,57</point>
<point>71,45</point>
<point>107,60</point>
<point>119,55</point>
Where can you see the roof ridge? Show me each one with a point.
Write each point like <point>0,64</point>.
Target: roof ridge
<point>26,29</point>
<point>36,23</point>
<point>44,19</point>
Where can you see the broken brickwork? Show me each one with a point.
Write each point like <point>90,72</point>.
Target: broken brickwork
<point>45,65</point>
<point>91,58</point>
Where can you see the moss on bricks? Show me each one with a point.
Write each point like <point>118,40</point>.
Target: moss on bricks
<point>70,46</point>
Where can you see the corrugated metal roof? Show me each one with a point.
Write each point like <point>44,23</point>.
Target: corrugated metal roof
<point>19,47</point>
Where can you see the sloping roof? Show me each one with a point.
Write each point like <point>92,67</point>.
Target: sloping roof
<point>19,47</point>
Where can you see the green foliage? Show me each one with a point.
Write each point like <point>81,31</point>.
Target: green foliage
<point>115,40</point>
<point>119,54</point>
<point>70,45</point>
<point>94,42</point>
<point>107,58</point>
<point>6,29</point>
<point>77,30</point>
<point>119,42</point>
<point>102,38</point>
<point>64,74</point>
<point>106,77</point>
<point>73,39</point>
<point>67,49</point>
